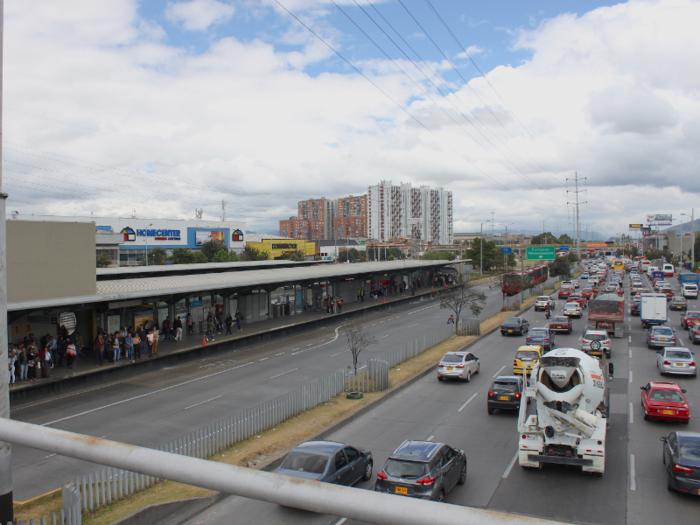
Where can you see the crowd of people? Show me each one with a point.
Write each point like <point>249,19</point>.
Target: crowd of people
<point>34,357</point>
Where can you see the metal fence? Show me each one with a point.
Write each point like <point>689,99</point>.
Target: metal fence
<point>373,377</point>
<point>70,514</point>
<point>470,326</point>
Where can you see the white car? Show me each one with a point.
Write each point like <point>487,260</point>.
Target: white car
<point>573,310</point>
<point>542,302</point>
<point>690,290</point>
<point>596,342</point>
<point>575,284</point>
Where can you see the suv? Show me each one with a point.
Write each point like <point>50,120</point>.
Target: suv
<point>458,365</point>
<point>542,302</point>
<point>422,469</point>
<point>596,343</point>
<point>690,290</point>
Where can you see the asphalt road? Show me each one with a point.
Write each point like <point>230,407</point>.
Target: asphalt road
<point>153,408</point>
<point>632,490</point>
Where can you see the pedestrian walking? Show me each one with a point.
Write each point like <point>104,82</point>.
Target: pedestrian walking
<point>166,328</point>
<point>229,324</point>
<point>451,320</point>
<point>11,362</point>
<point>239,320</point>
<point>211,327</point>
<point>362,295</point>
<point>178,329</point>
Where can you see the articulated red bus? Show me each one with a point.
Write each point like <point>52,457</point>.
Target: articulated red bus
<point>532,276</point>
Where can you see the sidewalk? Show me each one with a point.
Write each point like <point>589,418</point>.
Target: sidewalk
<point>87,364</point>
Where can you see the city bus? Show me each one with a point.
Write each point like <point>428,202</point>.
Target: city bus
<point>617,264</point>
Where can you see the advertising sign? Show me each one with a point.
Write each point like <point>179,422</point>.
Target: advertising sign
<point>660,219</point>
<point>201,238</point>
<point>636,226</point>
<point>68,320</point>
<point>141,317</point>
<point>507,250</point>
<point>540,253</point>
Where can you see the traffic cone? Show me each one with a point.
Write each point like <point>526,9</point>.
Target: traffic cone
<point>384,299</point>
<point>204,340</point>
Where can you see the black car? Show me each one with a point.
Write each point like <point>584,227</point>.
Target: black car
<point>636,306</point>
<point>329,462</point>
<point>505,393</point>
<point>422,469</point>
<point>682,460</point>
<point>515,325</point>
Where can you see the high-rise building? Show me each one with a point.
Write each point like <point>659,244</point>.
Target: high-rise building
<point>396,212</point>
<point>351,217</point>
<point>314,221</point>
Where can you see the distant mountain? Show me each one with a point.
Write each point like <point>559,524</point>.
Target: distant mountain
<point>584,235</point>
<point>683,227</point>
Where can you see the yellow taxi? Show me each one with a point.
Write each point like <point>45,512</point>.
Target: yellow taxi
<point>525,358</point>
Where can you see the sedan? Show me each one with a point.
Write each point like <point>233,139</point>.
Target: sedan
<point>587,292</point>
<point>541,336</point>
<point>565,292</point>
<point>689,319</point>
<point>573,310</point>
<point>560,323</point>
<point>678,303</point>
<point>660,336</point>
<point>515,325</point>
<point>665,401</point>
<point>543,301</point>
<point>577,298</point>
<point>423,469</point>
<point>635,306</point>
<point>585,275</point>
<point>458,365</point>
<point>694,333</point>
<point>505,394</point>
<point>329,462</point>
<point>681,456</point>
<point>676,361</point>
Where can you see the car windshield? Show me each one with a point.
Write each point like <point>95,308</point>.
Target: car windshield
<point>543,298</point>
<point>670,396</point>
<point>509,386</point>
<point>512,320</point>
<point>397,468</point>
<point>679,354</point>
<point>572,305</point>
<point>595,337</point>
<point>452,358</point>
<point>690,448</point>
<point>305,462</point>
<point>560,319</point>
<point>692,315</point>
<point>527,355</point>
<point>539,332</point>
<point>663,331</point>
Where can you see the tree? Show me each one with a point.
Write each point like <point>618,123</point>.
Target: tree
<point>102,261</point>
<point>465,297</point>
<point>565,239</point>
<point>182,256</point>
<point>224,256</point>
<point>540,239</point>
<point>351,255</point>
<point>211,248</point>
<point>199,257</point>
<point>561,266</point>
<point>251,253</point>
<point>294,255</point>
<point>492,256</point>
<point>358,339</point>
<point>157,255</point>
<point>438,256</point>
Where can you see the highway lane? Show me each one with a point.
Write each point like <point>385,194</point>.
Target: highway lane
<point>455,413</point>
<point>155,407</point>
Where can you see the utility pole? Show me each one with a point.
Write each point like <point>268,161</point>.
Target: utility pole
<point>493,222</point>
<point>577,216</point>
<point>6,509</point>
<point>692,238</point>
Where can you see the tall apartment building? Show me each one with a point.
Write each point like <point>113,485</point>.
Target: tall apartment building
<point>396,212</point>
<point>314,221</point>
<point>351,219</point>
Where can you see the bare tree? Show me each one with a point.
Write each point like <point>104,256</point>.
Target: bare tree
<point>465,297</point>
<point>358,340</point>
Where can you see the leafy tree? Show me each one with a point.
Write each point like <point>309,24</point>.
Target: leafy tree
<point>560,266</point>
<point>182,256</point>
<point>251,253</point>
<point>199,257</point>
<point>102,261</point>
<point>358,339</point>
<point>442,255</point>
<point>294,255</point>
<point>465,297</point>
<point>351,255</point>
<point>395,253</point>
<point>493,257</point>
<point>211,248</point>
<point>540,239</point>
<point>224,256</point>
<point>565,239</point>
<point>157,255</point>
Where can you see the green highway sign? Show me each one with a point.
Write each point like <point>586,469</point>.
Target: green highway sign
<point>540,253</point>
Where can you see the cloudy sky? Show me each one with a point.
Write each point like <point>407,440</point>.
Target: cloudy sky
<point>161,107</point>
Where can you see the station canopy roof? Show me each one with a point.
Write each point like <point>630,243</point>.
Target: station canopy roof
<point>153,287</point>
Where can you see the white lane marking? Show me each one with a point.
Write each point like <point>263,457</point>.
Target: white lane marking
<point>430,438</point>
<point>281,353</point>
<point>467,402</point>
<point>292,370</point>
<point>630,353</point>
<point>631,418</point>
<point>499,371</point>
<point>414,324</point>
<point>629,326</point>
<point>375,324</point>
<point>202,402</point>
<point>264,359</point>
<point>311,347</point>
<point>382,337</point>
<point>629,339</point>
<point>341,352</point>
<point>633,473</point>
<point>630,376</point>
<point>145,395</point>
<point>580,337</point>
<point>341,521</point>
<point>510,465</point>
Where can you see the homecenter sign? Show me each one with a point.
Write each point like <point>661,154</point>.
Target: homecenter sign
<point>160,235</point>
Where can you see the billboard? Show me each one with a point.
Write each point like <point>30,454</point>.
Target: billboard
<point>636,226</point>
<point>660,219</point>
<point>201,237</point>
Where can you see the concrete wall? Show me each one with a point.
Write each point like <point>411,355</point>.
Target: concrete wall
<point>50,259</point>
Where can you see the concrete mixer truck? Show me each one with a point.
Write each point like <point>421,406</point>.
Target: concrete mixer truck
<point>563,414</point>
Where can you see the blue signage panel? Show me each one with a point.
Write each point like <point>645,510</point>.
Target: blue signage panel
<point>507,250</point>
<point>564,248</point>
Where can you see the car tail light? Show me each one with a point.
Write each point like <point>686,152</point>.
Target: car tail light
<point>667,363</point>
<point>490,393</point>
<point>381,475</point>
<point>692,364</point>
<point>673,338</point>
<point>427,480</point>
<point>515,362</point>
<point>546,340</point>
<point>459,366</point>
<point>517,395</point>
<point>681,468</point>
<point>441,365</point>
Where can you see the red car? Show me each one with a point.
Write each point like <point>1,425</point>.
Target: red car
<point>665,402</point>
<point>564,293</point>
<point>688,319</point>
<point>560,323</point>
<point>667,292</point>
<point>587,293</point>
<point>578,298</point>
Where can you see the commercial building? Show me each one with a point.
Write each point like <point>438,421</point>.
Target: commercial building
<point>276,246</point>
<point>396,212</point>
<point>137,236</point>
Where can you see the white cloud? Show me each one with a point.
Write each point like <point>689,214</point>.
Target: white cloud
<point>198,15</point>
<point>186,130</point>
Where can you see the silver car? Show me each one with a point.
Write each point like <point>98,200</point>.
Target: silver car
<point>660,336</point>
<point>458,365</point>
<point>572,310</point>
<point>676,361</point>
